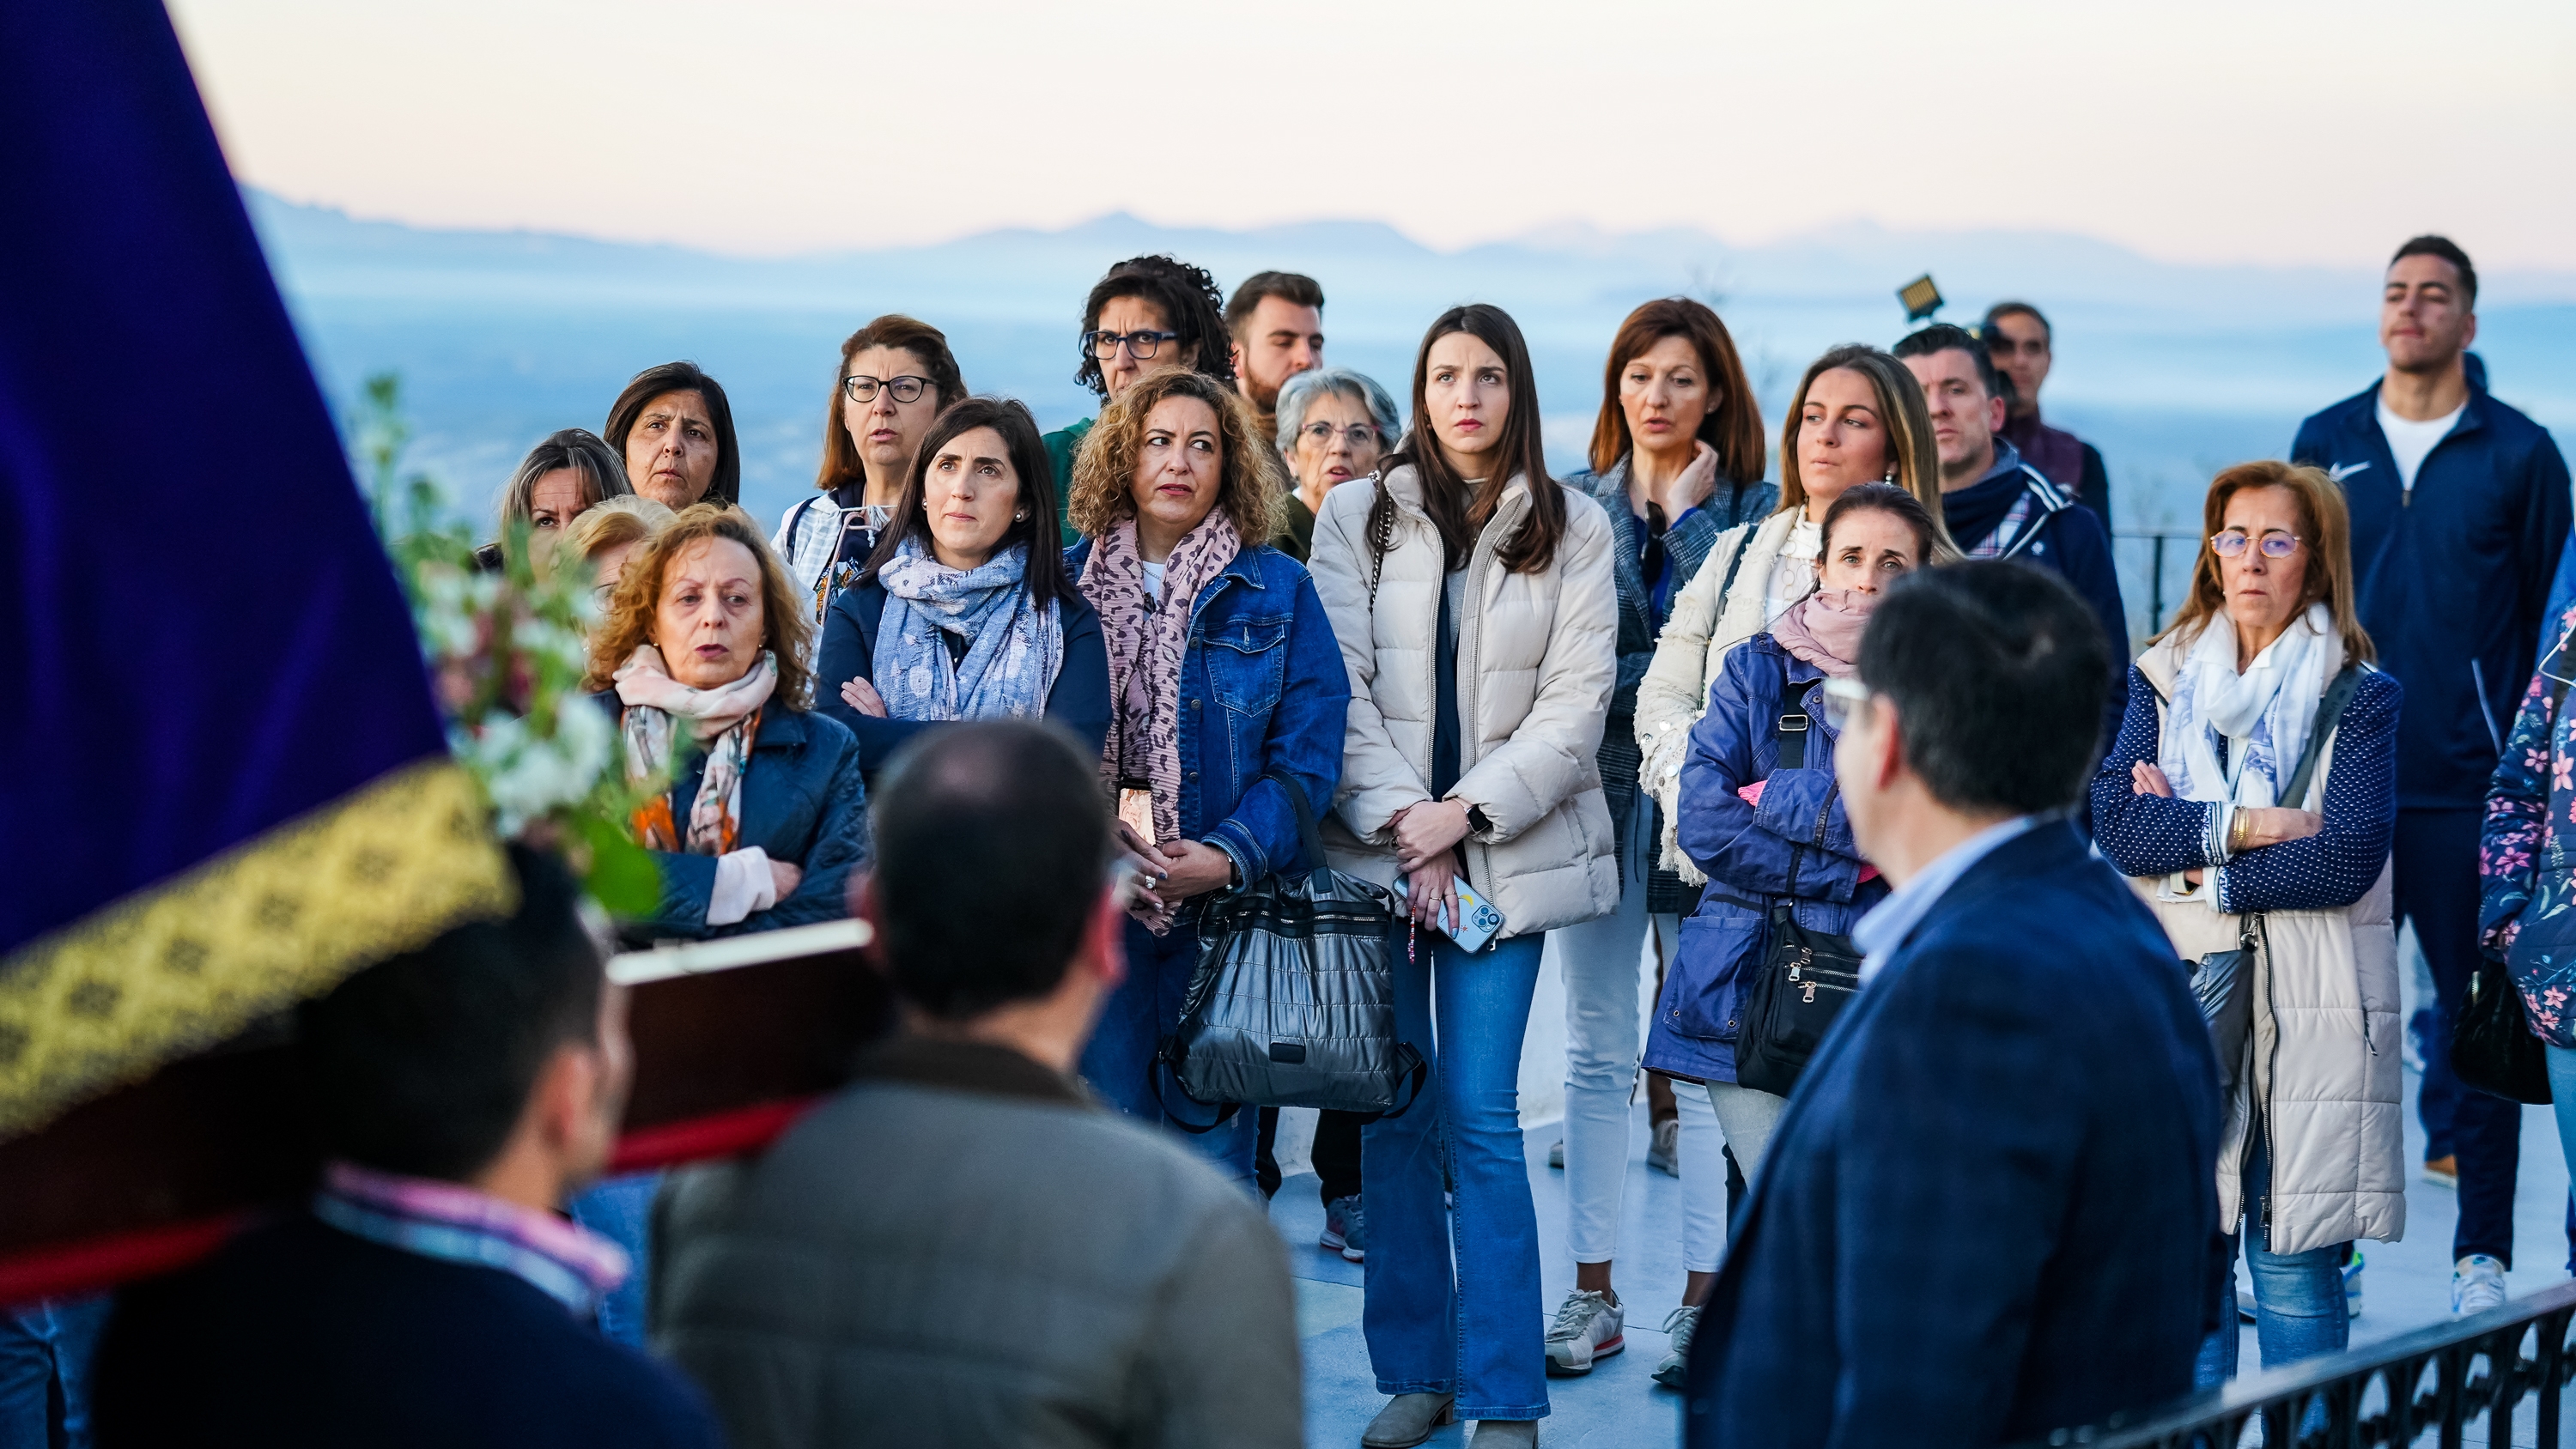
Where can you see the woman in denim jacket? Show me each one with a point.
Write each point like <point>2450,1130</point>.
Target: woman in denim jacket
<point>1763,833</point>
<point>1222,667</point>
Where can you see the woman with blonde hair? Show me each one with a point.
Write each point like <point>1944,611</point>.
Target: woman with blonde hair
<point>2252,797</point>
<point>702,659</point>
<point>1858,417</point>
<point>605,537</point>
<point>1222,671</point>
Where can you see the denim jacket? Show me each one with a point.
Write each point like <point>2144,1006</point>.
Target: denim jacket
<point>1796,843</point>
<point>802,803</point>
<point>1262,687</point>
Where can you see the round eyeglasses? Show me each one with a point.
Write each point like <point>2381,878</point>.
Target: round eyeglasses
<point>1843,699</point>
<point>1140,345</point>
<point>2275,543</point>
<point>1357,435</point>
<point>863,388</point>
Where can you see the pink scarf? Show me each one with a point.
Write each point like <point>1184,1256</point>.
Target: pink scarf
<point>1145,642</point>
<point>1824,629</point>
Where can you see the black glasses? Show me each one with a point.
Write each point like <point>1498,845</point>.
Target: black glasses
<point>1358,435</point>
<point>1139,345</point>
<point>1650,558</point>
<point>862,388</point>
<point>2275,544</point>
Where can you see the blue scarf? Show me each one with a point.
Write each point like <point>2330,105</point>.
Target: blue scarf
<point>1015,651</point>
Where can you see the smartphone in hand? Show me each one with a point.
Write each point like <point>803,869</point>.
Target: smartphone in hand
<point>1478,923</point>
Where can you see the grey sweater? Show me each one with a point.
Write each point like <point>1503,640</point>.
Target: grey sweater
<point>961,1250</point>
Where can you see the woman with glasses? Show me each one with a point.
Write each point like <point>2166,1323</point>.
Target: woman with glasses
<point>2252,797</point>
<point>1473,598</point>
<point>1334,425</point>
<point>1222,670</point>
<point>1145,313</point>
<point>1677,459</point>
<point>964,609</point>
<point>895,375</point>
<point>569,473</point>
<point>1761,817</point>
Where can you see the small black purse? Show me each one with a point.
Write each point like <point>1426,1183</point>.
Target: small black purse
<point>1806,977</point>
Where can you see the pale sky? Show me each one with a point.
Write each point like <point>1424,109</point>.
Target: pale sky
<point>2224,132</point>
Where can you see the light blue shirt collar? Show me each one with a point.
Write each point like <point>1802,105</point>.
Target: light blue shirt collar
<point>1890,921</point>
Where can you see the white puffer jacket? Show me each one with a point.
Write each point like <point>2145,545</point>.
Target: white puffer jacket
<point>1537,659</point>
<point>2324,1043</point>
<point>1691,653</point>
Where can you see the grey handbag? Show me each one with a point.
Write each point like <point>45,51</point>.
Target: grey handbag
<point>1293,1000</point>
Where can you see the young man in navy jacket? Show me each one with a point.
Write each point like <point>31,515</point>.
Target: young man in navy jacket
<point>2459,510</point>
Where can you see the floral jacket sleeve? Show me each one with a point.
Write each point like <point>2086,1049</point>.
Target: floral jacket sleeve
<point>2528,800</point>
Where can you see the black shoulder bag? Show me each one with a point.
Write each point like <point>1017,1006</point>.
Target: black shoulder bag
<point>1806,977</point>
<point>2492,1046</point>
<point>1292,1003</point>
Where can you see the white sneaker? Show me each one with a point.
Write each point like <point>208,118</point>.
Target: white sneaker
<point>1588,1326</point>
<point>1664,1150</point>
<point>1680,1328</point>
<point>2477,1284</point>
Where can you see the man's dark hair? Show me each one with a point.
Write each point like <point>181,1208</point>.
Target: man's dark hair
<point>652,382</point>
<point>1997,671</point>
<point>2001,310</point>
<point>422,1065</point>
<point>2449,251</point>
<point>1943,337</point>
<point>1192,307</point>
<point>1289,287</point>
<point>992,843</point>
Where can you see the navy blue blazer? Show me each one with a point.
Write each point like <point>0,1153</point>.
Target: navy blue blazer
<point>1989,1210</point>
<point>1078,700</point>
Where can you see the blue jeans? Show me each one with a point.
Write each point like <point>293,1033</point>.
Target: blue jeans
<point>620,1209</point>
<point>44,1372</point>
<point>2299,1310</point>
<point>1478,1330</point>
<point>1133,1022</point>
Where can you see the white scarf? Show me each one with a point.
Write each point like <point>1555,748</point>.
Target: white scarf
<point>2264,714</point>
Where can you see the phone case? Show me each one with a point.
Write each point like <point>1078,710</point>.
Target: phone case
<point>1478,920</point>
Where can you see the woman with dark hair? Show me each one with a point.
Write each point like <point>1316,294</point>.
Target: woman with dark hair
<point>1766,834</point>
<point>1146,313</point>
<point>896,374</point>
<point>964,611</point>
<point>1222,670</point>
<point>1677,459</point>
<point>566,475</point>
<point>1472,595</point>
<point>2203,804</point>
<point>674,428</point>
<point>700,658</point>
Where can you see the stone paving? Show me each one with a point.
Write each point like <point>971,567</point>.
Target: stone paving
<point>2406,1285</point>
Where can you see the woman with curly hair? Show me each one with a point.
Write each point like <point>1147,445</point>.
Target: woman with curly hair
<point>1145,313</point>
<point>1222,669</point>
<point>702,660</point>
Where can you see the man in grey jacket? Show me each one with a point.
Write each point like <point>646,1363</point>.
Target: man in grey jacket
<point>961,1248</point>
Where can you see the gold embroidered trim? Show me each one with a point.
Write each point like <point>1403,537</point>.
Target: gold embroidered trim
<point>195,959</point>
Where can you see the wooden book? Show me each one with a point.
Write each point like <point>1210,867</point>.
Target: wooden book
<point>733,1038</point>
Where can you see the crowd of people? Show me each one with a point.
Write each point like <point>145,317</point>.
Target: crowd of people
<point>1868,696</point>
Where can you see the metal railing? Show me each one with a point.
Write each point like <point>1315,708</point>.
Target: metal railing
<point>2434,1381</point>
<point>2166,546</point>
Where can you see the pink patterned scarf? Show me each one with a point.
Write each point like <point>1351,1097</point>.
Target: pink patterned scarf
<point>1824,629</point>
<point>1146,639</point>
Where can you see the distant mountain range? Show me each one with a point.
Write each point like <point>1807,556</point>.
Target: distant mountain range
<point>2173,369</point>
